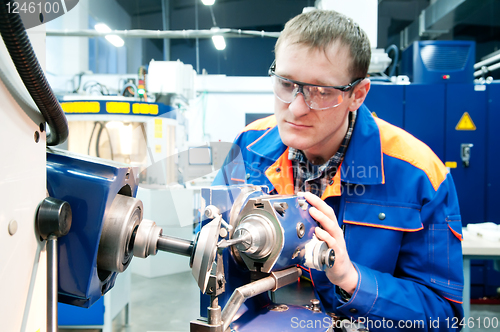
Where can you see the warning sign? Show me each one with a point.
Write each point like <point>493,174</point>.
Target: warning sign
<point>465,123</point>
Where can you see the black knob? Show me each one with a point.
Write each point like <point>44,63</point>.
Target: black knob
<point>53,217</point>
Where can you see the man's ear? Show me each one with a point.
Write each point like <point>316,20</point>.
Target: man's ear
<point>359,94</point>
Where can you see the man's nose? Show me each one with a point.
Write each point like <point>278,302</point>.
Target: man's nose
<point>298,105</point>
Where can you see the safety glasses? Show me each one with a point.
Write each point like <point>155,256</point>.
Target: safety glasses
<point>317,97</point>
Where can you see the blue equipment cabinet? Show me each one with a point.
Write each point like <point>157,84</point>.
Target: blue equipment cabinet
<point>492,153</point>
<point>424,114</point>
<point>431,112</point>
<point>470,181</point>
<point>439,61</point>
<point>387,102</point>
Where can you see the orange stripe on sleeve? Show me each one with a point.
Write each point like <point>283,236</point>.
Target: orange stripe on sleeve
<point>262,124</point>
<point>238,180</point>
<point>399,144</point>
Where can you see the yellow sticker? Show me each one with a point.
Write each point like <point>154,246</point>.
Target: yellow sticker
<point>158,128</point>
<point>81,107</point>
<point>158,148</point>
<point>374,115</point>
<point>117,107</point>
<point>465,123</point>
<point>145,109</point>
<point>451,164</point>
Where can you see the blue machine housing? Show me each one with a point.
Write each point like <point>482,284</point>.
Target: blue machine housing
<point>89,185</point>
<point>438,61</point>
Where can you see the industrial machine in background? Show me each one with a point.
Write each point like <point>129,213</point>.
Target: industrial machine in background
<point>91,224</point>
<point>459,119</point>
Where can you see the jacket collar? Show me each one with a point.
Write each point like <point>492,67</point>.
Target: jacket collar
<point>363,162</point>
<point>269,145</point>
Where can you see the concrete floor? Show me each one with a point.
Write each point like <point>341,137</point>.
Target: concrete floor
<point>169,303</point>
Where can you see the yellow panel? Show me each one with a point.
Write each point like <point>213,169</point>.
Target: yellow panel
<point>153,109</point>
<point>451,164</point>
<point>140,109</point>
<point>145,109</point>
<point>465,123</point>
<point>158,128</point>
<point>117,107</point>
<point>81,107</point>
<point>158,148</point>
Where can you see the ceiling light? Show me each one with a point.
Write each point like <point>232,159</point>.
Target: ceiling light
<point>117,41</point>
<point>208,2</point>
<point>101,27</point>
<point>219,42</point>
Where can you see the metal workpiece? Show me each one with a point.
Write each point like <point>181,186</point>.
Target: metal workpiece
<point>149,239</point>
<point>241,199</point>
<point>318,256</point>
<point>204,255</point>
<point>258,234</point>
<point>243,239</point>
<point>118,234</point>
<point>146,239</point>
<point>259,220</point>
<point>175,245</point>
<point>241,294</point>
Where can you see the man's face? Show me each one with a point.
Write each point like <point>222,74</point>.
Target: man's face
<point>316,132</point>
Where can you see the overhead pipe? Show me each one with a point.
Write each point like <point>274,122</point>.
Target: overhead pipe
<point>158,34</point>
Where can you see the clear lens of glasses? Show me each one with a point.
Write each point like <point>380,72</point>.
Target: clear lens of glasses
<point>316,97</point>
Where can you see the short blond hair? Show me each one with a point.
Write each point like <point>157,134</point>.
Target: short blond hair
<point>319,29</point>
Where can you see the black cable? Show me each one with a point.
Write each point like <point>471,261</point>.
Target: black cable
<point>392,70</point>
<point>91,136</point>
<point>110,145</point>
<point>18,44</point>
<point>98,139</point>
<point>79,81</point>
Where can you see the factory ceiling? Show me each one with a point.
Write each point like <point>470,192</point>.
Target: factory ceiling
<point>444,19</point>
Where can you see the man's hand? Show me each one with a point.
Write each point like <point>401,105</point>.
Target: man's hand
<point>343,273</point>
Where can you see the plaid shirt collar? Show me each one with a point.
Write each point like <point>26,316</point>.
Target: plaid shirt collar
<point>308,177</point>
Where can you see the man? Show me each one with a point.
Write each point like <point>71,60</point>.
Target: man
<point>386,203</point>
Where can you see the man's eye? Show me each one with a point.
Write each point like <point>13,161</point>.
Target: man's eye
<point>324,92</point>
<point>286,85</point>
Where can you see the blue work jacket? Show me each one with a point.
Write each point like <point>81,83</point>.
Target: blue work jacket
<point>397,204</point>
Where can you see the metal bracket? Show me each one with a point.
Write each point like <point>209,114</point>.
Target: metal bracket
<point>465,153</point>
